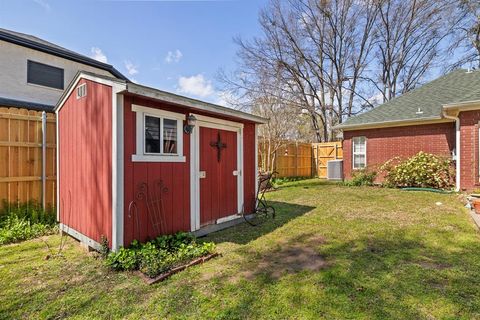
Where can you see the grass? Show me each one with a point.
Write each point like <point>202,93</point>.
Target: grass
<point>333,252</point>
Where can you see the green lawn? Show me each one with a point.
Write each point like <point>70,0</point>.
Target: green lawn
<point>333,252</point>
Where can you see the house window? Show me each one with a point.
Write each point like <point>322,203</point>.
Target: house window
<point>359,152</point>
<point>44,75</point>
<point>159,136</point>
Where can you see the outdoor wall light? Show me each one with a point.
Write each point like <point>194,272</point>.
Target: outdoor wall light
<point>191,120</point>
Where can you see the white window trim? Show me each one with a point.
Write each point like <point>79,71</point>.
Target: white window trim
<point>141,155</point>
<point>359,153</point>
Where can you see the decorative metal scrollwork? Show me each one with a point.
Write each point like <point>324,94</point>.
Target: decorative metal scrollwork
<point>152,197</point>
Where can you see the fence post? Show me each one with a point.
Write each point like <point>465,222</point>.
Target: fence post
<point>296,159</point>
<point>44,158</point>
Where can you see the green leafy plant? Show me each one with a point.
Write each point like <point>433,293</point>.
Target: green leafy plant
<point>159,255</point>
<point>422,170</point>
<point>104,247</point>
<point>25,221</point>
<point>361,178</point>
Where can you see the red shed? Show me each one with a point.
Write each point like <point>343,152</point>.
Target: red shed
<point>130,166</point>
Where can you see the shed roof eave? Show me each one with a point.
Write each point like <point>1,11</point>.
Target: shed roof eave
<point>168,97</point>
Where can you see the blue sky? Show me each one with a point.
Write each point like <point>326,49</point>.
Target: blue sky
<point>177,46</point>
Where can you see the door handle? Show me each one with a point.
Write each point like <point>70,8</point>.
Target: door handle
<point>202,174</point>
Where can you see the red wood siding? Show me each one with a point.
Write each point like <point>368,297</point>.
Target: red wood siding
<point>85,171</point>
<point>469,153</point>
<point>218,190</point>
<point>385,143</point>
<point>249,173</point>
<point>175,176</point>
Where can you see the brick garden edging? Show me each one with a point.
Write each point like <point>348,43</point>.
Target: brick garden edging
<point>171,272</point>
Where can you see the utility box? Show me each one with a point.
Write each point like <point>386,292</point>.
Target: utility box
<point>335,170</point>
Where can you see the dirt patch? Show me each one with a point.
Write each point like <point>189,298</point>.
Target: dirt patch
<point>433,265</point>
<point>290,258</point>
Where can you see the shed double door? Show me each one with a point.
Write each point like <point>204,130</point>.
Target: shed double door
<point>218,174</point>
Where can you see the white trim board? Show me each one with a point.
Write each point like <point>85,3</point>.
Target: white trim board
<point>80,237</point>
<point>214,123</point>
<point>57,151</point>
<point>117,170</point>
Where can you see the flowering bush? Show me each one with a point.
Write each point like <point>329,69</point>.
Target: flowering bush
<point>422,170</point>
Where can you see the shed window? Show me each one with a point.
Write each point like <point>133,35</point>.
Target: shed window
<point>159,135</point>
<point>44,75</point>
<point>359,152</point>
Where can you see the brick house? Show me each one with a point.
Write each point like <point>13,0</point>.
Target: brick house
<point>442,117</point>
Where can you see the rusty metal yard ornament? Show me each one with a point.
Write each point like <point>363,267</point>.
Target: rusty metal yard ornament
<point>219,145</point>
<point>153,200</point>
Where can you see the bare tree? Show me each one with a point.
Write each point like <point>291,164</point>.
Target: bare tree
<point>316,52</point>
<point>466,39</point>
<point>408,44</point>
<point>328,58</point>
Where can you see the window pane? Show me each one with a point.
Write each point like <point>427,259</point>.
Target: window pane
<point>359,161</point>
<point>169,136</point>
<point>44,75</point>
<point>152,134</point>
<point>359,145</point>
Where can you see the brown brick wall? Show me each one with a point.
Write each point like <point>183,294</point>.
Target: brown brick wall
<point>469,149</point>
<point>386,143</point>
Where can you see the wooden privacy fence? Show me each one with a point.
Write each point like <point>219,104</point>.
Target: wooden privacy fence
<point>297,159</point>
<point>27,156</point>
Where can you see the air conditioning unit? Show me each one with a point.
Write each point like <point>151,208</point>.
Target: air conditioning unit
<point>335,170</point>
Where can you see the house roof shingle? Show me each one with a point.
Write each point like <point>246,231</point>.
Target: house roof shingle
<point>455,87</point>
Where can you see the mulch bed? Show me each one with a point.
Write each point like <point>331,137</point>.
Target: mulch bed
<point>171,272</point>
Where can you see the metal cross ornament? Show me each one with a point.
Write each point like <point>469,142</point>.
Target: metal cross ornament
<point>219,145</point>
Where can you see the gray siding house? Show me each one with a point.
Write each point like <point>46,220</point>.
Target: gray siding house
<point>35,72</point>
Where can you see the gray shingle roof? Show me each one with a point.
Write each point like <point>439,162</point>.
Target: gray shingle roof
<point>455,87</point>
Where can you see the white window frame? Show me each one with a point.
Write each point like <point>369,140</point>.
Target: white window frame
<point>359,153</point>
<point>141,155</point>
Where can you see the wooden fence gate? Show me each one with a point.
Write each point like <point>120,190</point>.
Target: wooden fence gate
<point>297,159</point>
<point>27,156</point>
<point>324,152</point>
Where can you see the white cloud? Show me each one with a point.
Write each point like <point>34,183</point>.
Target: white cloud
<point>97,54</point>
<point>196,85</point>
<point>173,56</point>
<point>131,68</point>
<point>42,3</point>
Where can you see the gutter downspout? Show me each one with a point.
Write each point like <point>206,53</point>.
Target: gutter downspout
<point>457,149</point>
